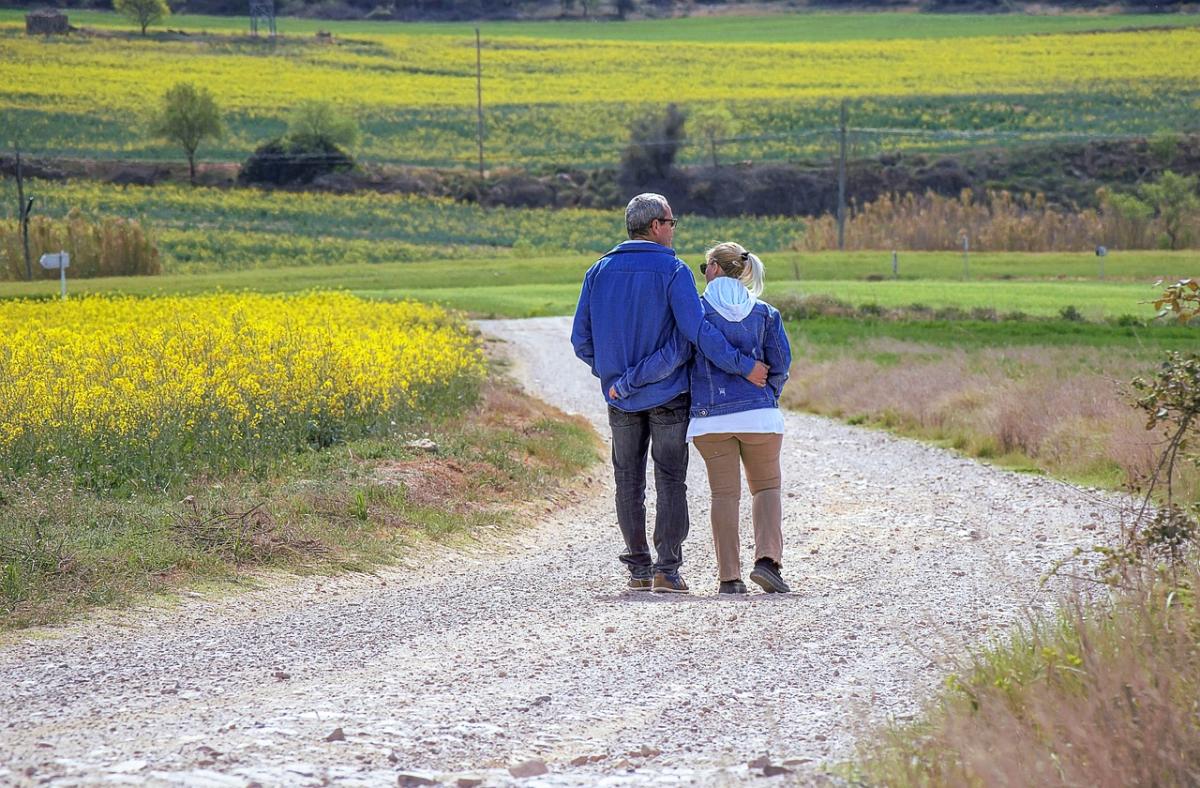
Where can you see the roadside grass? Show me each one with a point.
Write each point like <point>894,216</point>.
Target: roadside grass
<point>354,506</point>
<point>1102,693</point>
<point>1046,396</point>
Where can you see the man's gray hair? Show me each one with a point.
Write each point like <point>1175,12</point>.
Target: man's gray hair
<point>642,210</point>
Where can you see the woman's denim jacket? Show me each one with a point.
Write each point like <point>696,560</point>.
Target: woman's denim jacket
<point>714,391</point>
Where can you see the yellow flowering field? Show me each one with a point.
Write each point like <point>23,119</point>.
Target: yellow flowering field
<point>130,393</point>
<point>570,100</point>
<point>398,70</point>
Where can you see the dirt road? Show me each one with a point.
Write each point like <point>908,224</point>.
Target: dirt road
<point>524,648</point>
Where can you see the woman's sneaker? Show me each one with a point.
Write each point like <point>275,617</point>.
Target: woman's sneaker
<point>669,584</point>
<point>766,574</point>
<point>732,587</point>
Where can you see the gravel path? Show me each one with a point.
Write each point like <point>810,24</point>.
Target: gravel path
<point>522,648</point>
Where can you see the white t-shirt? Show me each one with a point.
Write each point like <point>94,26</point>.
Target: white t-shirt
<point>759,420</point>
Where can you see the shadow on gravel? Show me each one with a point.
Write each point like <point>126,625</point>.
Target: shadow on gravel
<point>643,597</point>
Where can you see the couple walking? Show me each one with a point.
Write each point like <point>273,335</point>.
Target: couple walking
<point>676,368</point>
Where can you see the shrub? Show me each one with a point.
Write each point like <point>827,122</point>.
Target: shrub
<point>1176,205</point>
<point>1070,313</point>
<point>284,162</point>
<point>314,124</point>
<point>654,141</point>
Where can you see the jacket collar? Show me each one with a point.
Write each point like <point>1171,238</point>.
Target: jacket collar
<point>630,246</point>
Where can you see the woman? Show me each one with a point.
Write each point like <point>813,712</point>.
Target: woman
<point>734,423</point>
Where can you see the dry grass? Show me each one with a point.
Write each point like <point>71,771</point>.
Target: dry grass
<point>110,246</point>
<point>1064,410</point>
<point>1000,223</point>
<point>1102,695</point>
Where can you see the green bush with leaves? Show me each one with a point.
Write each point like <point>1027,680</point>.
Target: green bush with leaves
<point>1174,200</point>
<point>315,123</point>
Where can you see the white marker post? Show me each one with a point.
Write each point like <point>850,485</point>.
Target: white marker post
<point>61,261</point>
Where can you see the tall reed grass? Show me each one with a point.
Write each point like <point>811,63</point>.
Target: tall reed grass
<point>109,246</point>
<point>1001,222</point>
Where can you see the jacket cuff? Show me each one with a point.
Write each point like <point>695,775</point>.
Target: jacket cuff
<point>748,363</point>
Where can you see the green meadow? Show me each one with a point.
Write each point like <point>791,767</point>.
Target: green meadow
<point>778,28</point>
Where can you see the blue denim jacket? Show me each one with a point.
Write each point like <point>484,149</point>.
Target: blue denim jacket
<point>633,301</point>
<point>715,392</point>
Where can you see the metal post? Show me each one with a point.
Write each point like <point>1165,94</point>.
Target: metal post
<point>895,265</point>
<point>479,96</point>
<point>23,209</point>
<point>966,239</point>
<point>841,206</point>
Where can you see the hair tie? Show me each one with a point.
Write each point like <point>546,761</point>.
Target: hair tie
<point>745,256</point>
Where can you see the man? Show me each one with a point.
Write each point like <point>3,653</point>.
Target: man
<point>632,302</point>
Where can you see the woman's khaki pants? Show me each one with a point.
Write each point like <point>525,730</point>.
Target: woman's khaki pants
<point>724,453</point>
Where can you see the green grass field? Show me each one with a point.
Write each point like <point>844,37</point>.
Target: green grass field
<point>777,28</point>
<point>517,286</point>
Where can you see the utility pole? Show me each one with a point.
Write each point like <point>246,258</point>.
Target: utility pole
<point>23,209</point>
<point>841,206</point>
<point>479,96</point>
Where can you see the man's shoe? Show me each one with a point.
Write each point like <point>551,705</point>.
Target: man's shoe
<point>766,574</point>
<point>640,583</point>
<point>732,587</point>
<point>669,584</point>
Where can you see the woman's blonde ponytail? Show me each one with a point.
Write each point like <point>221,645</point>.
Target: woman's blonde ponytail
<point>754,276</point>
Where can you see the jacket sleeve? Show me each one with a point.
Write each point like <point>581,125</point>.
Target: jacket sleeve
<point>656,366</point>
<point>777,352</point>
<point>689,317</point>
<point>581,331</point>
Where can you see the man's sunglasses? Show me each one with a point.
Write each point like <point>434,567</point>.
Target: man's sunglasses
<point>671,222</point>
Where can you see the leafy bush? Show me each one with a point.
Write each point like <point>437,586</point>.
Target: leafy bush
<point>1070,314</point>
<point>285,162</point>
<point>315,123</point>
<point>649,160</point>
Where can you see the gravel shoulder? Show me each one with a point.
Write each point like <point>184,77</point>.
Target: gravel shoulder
<point>521,646</point>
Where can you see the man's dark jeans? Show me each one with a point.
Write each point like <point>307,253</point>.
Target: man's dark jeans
<point>662,431</point>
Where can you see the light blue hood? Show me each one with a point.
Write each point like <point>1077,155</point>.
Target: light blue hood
<point>730,298</point>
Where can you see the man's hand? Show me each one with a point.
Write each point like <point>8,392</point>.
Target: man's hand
<point>758,375</point>
<point>612,390</point>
